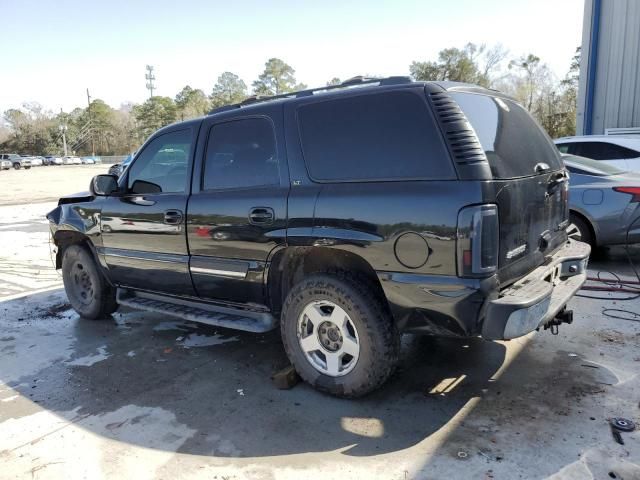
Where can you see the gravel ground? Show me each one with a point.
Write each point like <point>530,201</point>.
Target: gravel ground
<point>145,396</point>
<point>46,184</point>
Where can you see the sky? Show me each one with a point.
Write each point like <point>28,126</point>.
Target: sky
<point>52,51</point>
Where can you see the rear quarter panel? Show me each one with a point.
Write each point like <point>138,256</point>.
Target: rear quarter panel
<point>369,218</point>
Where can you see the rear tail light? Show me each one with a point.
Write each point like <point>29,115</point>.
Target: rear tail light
<point>634,191</point>
<point>477,241</point>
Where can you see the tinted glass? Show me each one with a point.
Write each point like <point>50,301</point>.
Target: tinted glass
<point>384,136</point>
<point>241,154</point>
<point>162,166</point>
<point>512,140</point>
<point>604,151</point>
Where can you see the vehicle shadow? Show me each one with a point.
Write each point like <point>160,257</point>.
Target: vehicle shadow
<point>214,387</point>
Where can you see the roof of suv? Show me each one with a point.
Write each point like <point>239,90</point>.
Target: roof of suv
<point>355,84</point>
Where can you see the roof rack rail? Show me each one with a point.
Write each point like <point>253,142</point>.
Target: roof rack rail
<point>353,81</point>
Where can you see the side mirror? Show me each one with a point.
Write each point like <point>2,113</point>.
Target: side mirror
<point>103,185</point>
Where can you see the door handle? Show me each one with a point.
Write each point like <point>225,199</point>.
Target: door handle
<point>173,217</point>
<point>261,216</point>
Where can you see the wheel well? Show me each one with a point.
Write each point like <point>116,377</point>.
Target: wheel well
<point>291,265</point>
<point>66,238</point>
<point>587,222</point>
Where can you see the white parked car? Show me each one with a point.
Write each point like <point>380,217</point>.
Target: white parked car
<point>71,161</point>
<point>5,164</point>
<point>35,161</point>
<point>88,161</point>
<point>622,151</point>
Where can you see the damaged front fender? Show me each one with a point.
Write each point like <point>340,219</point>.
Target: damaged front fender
<point>76,219</point>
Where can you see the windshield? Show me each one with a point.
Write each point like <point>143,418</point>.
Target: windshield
<point>588,166</point>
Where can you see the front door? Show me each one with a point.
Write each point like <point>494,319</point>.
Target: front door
<point>238,209</point>
<point>143,227</point>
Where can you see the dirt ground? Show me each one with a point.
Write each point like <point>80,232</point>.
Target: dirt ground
<point>44,184</point>
<point>146,396</point>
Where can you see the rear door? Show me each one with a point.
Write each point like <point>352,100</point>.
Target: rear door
<point>529,182</point>
<point>237,213</point>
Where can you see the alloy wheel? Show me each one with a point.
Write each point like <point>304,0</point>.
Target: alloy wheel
<point>328,338</point>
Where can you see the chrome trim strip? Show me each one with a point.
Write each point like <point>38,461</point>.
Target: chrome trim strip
<point>144,256</point>
<point>219,273</point>
<point>132,257</point>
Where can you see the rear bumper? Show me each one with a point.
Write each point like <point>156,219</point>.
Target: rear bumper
<point>537,298</point>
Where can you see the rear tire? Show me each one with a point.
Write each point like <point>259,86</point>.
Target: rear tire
<point>339,335</point>
<point>579,230</point>
<point>87,290</point>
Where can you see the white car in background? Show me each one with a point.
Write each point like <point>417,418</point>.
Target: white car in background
<point>622,151</point>
<point>35,161</point>
<point>71,161</point>
<point>5,165</point>
<point>88,161</point>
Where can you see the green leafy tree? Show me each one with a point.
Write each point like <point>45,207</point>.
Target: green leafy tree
<point>277,78</point>
<point>154,113</point>
<point>229,89</point>
<point>191,103</point>
<point>31,129</point>
<point>334,81</point>
<point>471,64</point>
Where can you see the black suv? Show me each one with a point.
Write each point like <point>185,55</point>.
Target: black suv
<point>346,214</point>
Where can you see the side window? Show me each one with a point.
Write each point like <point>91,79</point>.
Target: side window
<point>162,166</point>
<point>563,147</point>
<point>241,154</point>
<point>376,137</point>
<point>606,151</point>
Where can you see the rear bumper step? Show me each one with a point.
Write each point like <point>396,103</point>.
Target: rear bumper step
<point>537,299</point>
<point>246,320</point>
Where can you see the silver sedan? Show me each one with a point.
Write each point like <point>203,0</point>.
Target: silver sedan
<point>604,202</point>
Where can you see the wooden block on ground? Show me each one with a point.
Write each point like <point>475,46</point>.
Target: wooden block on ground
<point>286,378</point>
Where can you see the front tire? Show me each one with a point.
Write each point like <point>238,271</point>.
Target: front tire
<point>17,166</point>
<point>339,335</point>
<point>87,290</point>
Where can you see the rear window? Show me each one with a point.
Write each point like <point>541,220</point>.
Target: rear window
<point>375,137</point>
<point>512,140</point>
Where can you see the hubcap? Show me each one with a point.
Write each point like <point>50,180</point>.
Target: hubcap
<point>328,337</point>
<point>574,232</point>
<point>82,285</point>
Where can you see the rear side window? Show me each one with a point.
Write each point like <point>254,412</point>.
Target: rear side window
<point>512,140</point>
<point>604,151</point>
<point>565,148</point>
<point>241,154</point>
<point>388,136</point>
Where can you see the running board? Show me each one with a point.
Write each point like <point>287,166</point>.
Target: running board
<point>238,319</point>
